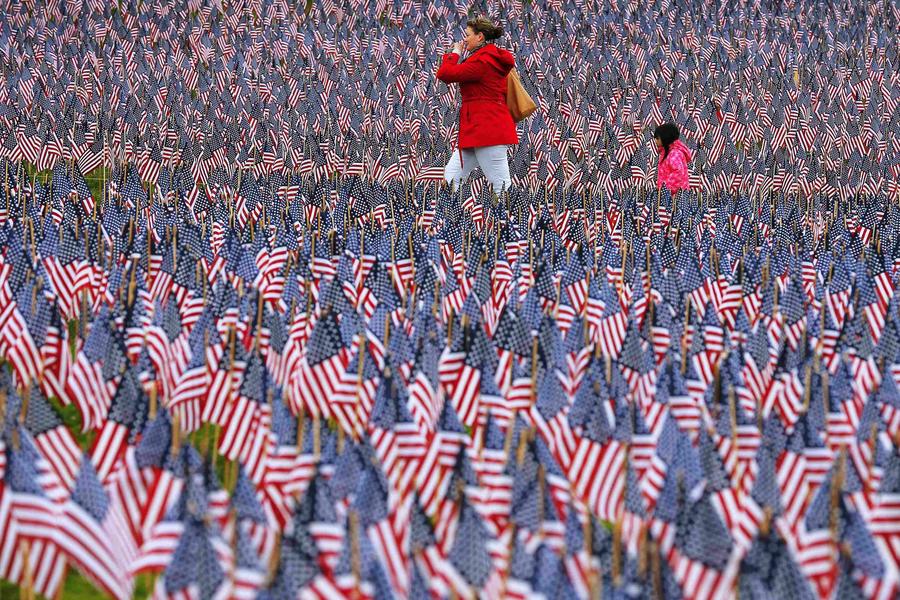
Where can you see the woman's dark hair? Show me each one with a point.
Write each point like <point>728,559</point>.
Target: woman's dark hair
<point>484,25</point>
<point>667,133</point>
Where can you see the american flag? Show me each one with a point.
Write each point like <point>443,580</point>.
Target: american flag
<point>256,346</point>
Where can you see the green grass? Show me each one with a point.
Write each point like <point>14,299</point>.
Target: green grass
<point>32,173</point>
<point>72,419</point>
<point>8,591</point>
<point>95,184</point>
<point>76,587</point>
<point>94,180</point>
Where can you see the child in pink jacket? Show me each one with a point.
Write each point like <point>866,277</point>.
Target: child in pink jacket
<point>673,159</point>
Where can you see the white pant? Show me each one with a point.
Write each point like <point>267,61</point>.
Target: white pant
<point>491,159</point>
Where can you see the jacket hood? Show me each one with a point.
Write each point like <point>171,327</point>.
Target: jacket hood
<point>677,146</point>
<point>503,59</point>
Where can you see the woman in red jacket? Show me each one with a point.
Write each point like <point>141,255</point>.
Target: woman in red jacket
<point>485,125</point>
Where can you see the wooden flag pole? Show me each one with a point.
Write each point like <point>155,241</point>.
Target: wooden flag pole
<point>355,561</point>
<point>687,321</point>
<point>27,590</point>
<point>153,402</point>
<point>275,558</point>
<point>837,485</point>
<point>317,436</point>
<point>524,437</point>
<point>259,318</point>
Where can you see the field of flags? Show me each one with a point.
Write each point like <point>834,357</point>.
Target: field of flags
<point>254,347</point>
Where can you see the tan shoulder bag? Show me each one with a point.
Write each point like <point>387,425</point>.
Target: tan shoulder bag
<point>517,99</point>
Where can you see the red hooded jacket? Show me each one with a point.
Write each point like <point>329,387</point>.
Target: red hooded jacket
<point>673,167</point>
<point>484,118</point>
